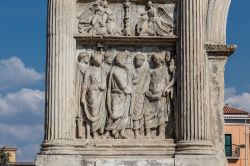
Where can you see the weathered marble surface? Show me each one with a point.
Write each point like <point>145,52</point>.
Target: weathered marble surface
<point>135,83</point>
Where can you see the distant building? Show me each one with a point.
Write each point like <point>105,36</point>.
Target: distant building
<point>12,157</point>
<point>237,136</point>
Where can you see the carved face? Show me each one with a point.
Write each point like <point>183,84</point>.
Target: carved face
<point>108,57</point>
<point>139,61</point>
<point>150,4</point>
<point>157,59</point>
<point>171,66</point>
<point>167,57</point>
<point>97,59</point>
<point>83,58</point>
<point>121,59</point>
<point>104,3</point>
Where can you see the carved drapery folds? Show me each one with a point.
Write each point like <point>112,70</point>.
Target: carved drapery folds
<point>100,18</point>
<point>127,95</point>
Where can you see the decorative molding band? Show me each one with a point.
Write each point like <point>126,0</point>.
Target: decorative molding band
<point>220,49</point>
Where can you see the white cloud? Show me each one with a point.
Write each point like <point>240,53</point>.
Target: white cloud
<point>14,74</point>
<point>25,100</point>
<point>21,132</point>
<point>241,101</point>
<point>27,139</point>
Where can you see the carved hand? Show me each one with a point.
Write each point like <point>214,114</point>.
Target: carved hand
<point>101,87</point>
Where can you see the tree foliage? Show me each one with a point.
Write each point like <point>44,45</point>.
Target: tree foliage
<point>4,158</point>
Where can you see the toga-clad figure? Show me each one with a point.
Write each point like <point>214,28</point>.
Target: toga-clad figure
<point>155,108</point>
<point>140,78</point>
<point>119,97</point>
<point>94,94</point>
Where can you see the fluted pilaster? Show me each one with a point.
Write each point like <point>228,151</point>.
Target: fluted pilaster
<point>193,116</point>
<point>59,120</point>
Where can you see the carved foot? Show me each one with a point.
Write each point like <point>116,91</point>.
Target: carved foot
<point>123,135</point>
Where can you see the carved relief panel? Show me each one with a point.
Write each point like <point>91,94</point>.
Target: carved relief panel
<point>126,93</point>
<point>126,69</point>
<point>126,18</point>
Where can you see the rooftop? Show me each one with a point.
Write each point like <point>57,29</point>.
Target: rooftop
<point>228,110</point>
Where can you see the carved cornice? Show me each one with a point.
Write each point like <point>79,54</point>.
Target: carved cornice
<point>128,40</point>
<point>220,49</point>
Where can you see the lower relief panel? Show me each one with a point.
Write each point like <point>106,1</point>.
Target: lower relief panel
<point>125,92</point>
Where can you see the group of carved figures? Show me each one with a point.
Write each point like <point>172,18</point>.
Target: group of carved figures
<point>99,19</point>
<point>117,97</point>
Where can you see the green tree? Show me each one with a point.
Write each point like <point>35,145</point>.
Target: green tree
<point>4,158</point>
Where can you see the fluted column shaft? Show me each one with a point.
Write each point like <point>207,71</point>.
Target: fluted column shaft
<point>60,70</point>
<point>193,116</point>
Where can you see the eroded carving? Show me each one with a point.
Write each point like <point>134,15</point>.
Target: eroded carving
<point>98,19</point>
<point>140,78</point>
<point>94,95</point>
<point>128,95</point>
<point>120,97</point>
<point>154,22</point>
<point>127,29</point>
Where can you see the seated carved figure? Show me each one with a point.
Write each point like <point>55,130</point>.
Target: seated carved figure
<point>154,22</point>
<point>140,78</point>
<point>119,97</point>
<point>155,107</point>
<point>94,94</point>
<point>98,20</point>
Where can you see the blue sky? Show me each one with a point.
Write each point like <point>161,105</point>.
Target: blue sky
<point>22,67</point>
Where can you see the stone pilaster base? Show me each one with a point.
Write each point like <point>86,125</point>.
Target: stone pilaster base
<point>73,160</point>
<point>198,160</point>
<point>179,160</point>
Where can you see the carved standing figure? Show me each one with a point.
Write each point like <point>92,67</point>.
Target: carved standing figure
<point>119,97</point>
<point>140,87</point>
<point>94,94</point>
<point>155,108</point>
<point>83,64</point>
<point>154,22</point>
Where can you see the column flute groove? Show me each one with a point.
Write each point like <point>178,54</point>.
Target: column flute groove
<point>193,123</point>
<point>59,72</point>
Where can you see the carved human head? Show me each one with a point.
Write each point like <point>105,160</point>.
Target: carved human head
<point>96,59</point>
<point>105,3</point>
<point>168,56</point>
<point>109,57</point>
<point>121,59</point>
<point>158,59</point>
<point>171,65</point>
<point>83,57</point>
<point>150,3</point>
<point>139,60</point>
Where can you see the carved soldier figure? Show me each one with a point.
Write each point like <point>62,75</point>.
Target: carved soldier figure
<point>119,97</point>
<point>140,87</point>
<point>94,94</point>
<point>155,108</point>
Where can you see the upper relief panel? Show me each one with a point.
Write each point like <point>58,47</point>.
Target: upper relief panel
<point>126,18</point>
